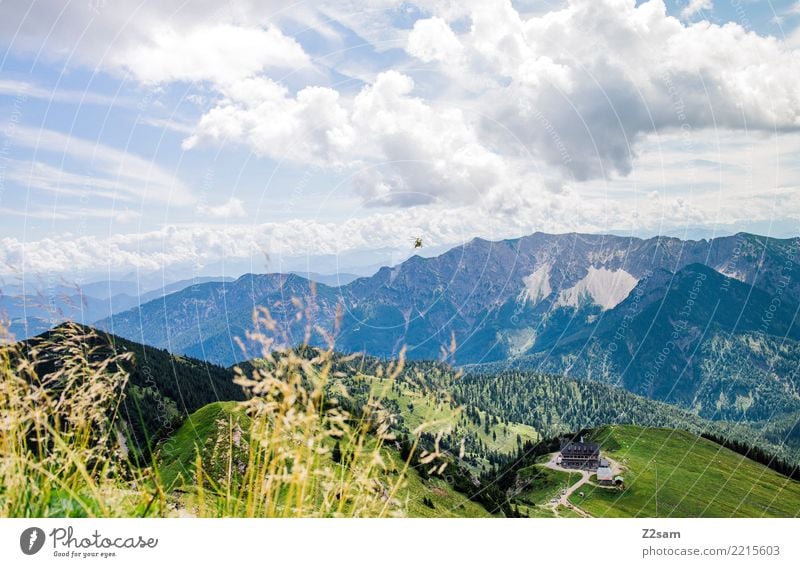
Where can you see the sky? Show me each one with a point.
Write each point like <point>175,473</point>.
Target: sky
<point>199,137</point>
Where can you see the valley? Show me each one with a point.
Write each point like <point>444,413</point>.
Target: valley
<point>445,386</point>
<point>451,445</point>
<point>706,325</point>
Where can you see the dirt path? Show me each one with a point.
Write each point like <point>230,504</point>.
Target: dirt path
<point>563,497</point>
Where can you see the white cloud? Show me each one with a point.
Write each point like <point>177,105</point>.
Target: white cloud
<point>220,53</point>
<point>433,40</point>
<point>575,89</point>
<point>584,84</point>
<point>27,89</point>
<point>114,173</point>
<point>232,208</point>
<point>310,127</point>
<point>669,191</point>
<point>168,124</point>
<point>517,121</point>
<point>695,6</point>
<point>579,209</point>
<point>420,153</point>
<point>74,215</point>
<point>202,245</point>
<point>160,41</point>
<point>373,21</point>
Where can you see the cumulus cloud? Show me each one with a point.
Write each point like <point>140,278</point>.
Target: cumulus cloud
<point>578,209</point>
<point>749,188</point>
<point>433,40</point>
<point>575,89</point>
<point>220,53</point>
<point>419,152</point>
<point>579,87</point>
<point>695,6</point>
<point>202,245</point>
<point>310,127</point>
<point>169,40</point>
<point>487,118</point>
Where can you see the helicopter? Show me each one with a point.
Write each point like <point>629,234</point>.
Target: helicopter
<point>417,242</point>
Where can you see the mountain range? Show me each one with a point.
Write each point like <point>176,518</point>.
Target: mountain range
<point>29,310</point>
<point>705,324</point>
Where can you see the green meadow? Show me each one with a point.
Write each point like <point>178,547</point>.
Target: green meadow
<point>672,473</point>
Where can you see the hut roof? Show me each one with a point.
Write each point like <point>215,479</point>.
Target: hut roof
<point>580,449</point>
<point>604,473</point>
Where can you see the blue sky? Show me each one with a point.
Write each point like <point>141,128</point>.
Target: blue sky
<point>138,137</point>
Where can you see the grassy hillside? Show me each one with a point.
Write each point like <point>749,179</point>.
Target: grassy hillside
<point>541,485</point>
<point>212,431</point>
<point>161,390</point>
<point>696,478</point>
<point>325,435</point>
<point>201,431</point>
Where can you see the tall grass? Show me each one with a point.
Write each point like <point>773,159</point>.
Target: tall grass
<point>285,462</point>
<point>290,450</point>
<point>62,448</point>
